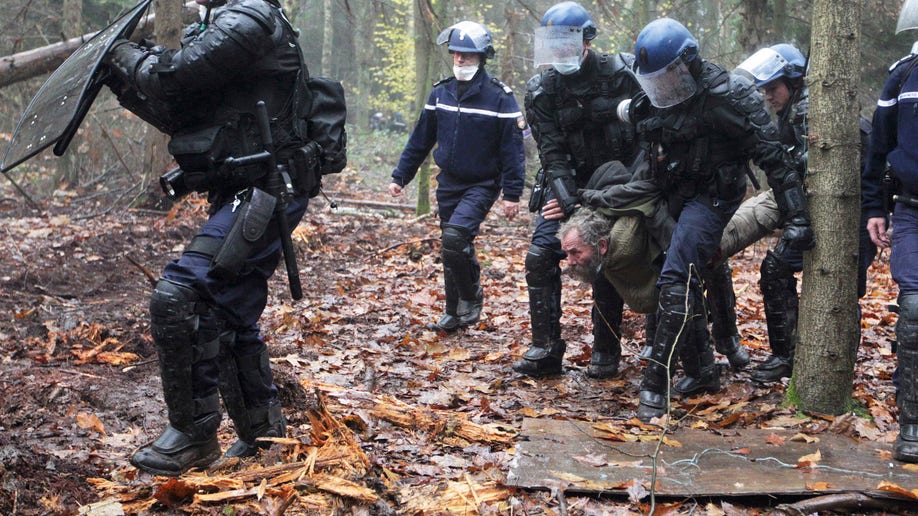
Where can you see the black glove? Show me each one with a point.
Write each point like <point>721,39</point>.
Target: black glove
<point>798,233</point>
<point>561,181</point>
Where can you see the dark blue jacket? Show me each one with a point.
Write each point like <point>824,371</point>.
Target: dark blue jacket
<point>478,137</point>
<point>895,120</point>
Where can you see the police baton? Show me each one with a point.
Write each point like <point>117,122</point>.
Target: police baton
<point>279,185</point>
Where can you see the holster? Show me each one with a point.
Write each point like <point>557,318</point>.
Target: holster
<point>890,188</point>
<point>537,196</point>
<point>306,167</point>
<point>252,217</point>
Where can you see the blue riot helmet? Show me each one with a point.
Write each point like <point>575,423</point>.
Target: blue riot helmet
<point>570,14</point>
<point>559,41</point>
<point>663,52</point>
<point>908,16</point>
<point>775,62</point>
<point>468,36</point>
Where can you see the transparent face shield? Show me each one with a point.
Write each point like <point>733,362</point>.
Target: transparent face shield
<point>558,46</point>
<point>763,65</point>
<point>670,85</point>
<point>908,17</point>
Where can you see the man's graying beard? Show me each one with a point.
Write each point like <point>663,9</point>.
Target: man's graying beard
<point>586,273</point>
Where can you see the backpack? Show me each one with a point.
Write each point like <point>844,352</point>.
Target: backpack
<point>325,122</point>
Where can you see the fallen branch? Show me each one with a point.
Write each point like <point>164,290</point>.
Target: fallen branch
<point>840,502</point>
<point>146,272</point>
<point>410,242</point>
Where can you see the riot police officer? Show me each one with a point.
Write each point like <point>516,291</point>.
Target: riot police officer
<point>701,125</point>
<point>895,129</point>
<point>779,71</point>
<point>477,124</point>
<point>571,108</point>
<point>205,307</point>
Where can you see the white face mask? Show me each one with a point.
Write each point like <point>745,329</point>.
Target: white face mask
<point>567,68</point>
<point>465,73</point>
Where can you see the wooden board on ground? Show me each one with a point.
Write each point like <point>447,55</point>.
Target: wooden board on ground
<point>592,458</point>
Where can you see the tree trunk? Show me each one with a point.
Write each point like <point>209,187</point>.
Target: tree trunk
<point>829,328</point>
<point>754,25</point>
<point>68,167</point>
<point>156,158</point>
<point>328,37</point>
<point>362,24</point>
<point>423,55</point>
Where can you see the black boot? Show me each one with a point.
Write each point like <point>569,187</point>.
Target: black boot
<point>700,370</point>
<point>650,329</point>
<point>905,448</point>
<point>449,321</point>
<point>779,295</point>
<point>461,262</point>
<point>186,334</point>
<point>722,304</point>
<point>545,354</point>
<point>247,387</point>
<point>673,324</point>
<point>607,324</point>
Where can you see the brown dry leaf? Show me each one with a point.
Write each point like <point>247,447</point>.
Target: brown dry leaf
<point>818,486</point>
<point>174,492</point>
<point>88,421</point>
<point>910,467</point>
<point>741,451</point>
<point>775,440</point>
<point>808,461</point>
<point>803,438</point>
<point>894,488</point>
<point>594,459</point>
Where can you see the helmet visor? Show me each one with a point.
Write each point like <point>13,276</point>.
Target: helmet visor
<point>558,45</point>
<point>471,37</point>
<point>908,17</point>
<point>669,85</point>
<point>763,65</point>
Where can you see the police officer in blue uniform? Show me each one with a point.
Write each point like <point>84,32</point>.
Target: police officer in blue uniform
<point>571,108</point>
<point>701,125</point>
<point>892,142</point>
<point>204,319</point>
<point>477,125</point>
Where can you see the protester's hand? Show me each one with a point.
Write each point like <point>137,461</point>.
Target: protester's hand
<point>876,226</point>
<point>395,189</point>
<point>511,209</point>
<point>552,210</point>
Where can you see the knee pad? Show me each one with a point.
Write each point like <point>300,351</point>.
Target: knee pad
<point>541,266</point>
<point>456,238</point>
<point>173,310</point>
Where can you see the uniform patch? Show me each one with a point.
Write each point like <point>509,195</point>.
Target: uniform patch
<point>521,123</point>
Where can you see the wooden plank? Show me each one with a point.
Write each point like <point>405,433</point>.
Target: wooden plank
<point>579,457</point>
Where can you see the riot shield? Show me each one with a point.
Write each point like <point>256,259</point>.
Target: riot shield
<point>58,108</point>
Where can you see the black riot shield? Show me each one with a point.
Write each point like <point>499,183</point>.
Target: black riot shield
<point>58,108</point>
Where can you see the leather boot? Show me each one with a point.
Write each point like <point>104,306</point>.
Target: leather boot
<point>249,395</point>
<point>673,324</point>
<point>607,324</point>
<point>461,262</point>
<point>722,314</point>
<point>449,321</point>
<point>186,334</point>
<point>546,352</point>
<point>700,370</point>
<point>905,448</point>
<point>779,295</point>
<point>650,329</point>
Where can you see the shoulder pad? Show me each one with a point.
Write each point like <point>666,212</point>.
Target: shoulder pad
<point>902,61</point>
<point>610,64</point>
<point>741,86</point>
<point>628,59</point>
<point>258,10</point>
<point>544,82</point>
<point>443,81</point>
<point>502,86</point>
<point>714,79</point>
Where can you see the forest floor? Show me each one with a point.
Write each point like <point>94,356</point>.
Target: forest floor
<point>355,365</point>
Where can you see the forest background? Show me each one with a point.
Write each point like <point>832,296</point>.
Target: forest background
<point>383,53</point>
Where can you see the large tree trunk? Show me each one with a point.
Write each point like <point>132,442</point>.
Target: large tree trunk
<point>328,37</point>
<point>754,25</point>
<point>828,327</point>
<point>156,158</point>
<point>362,27</point>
